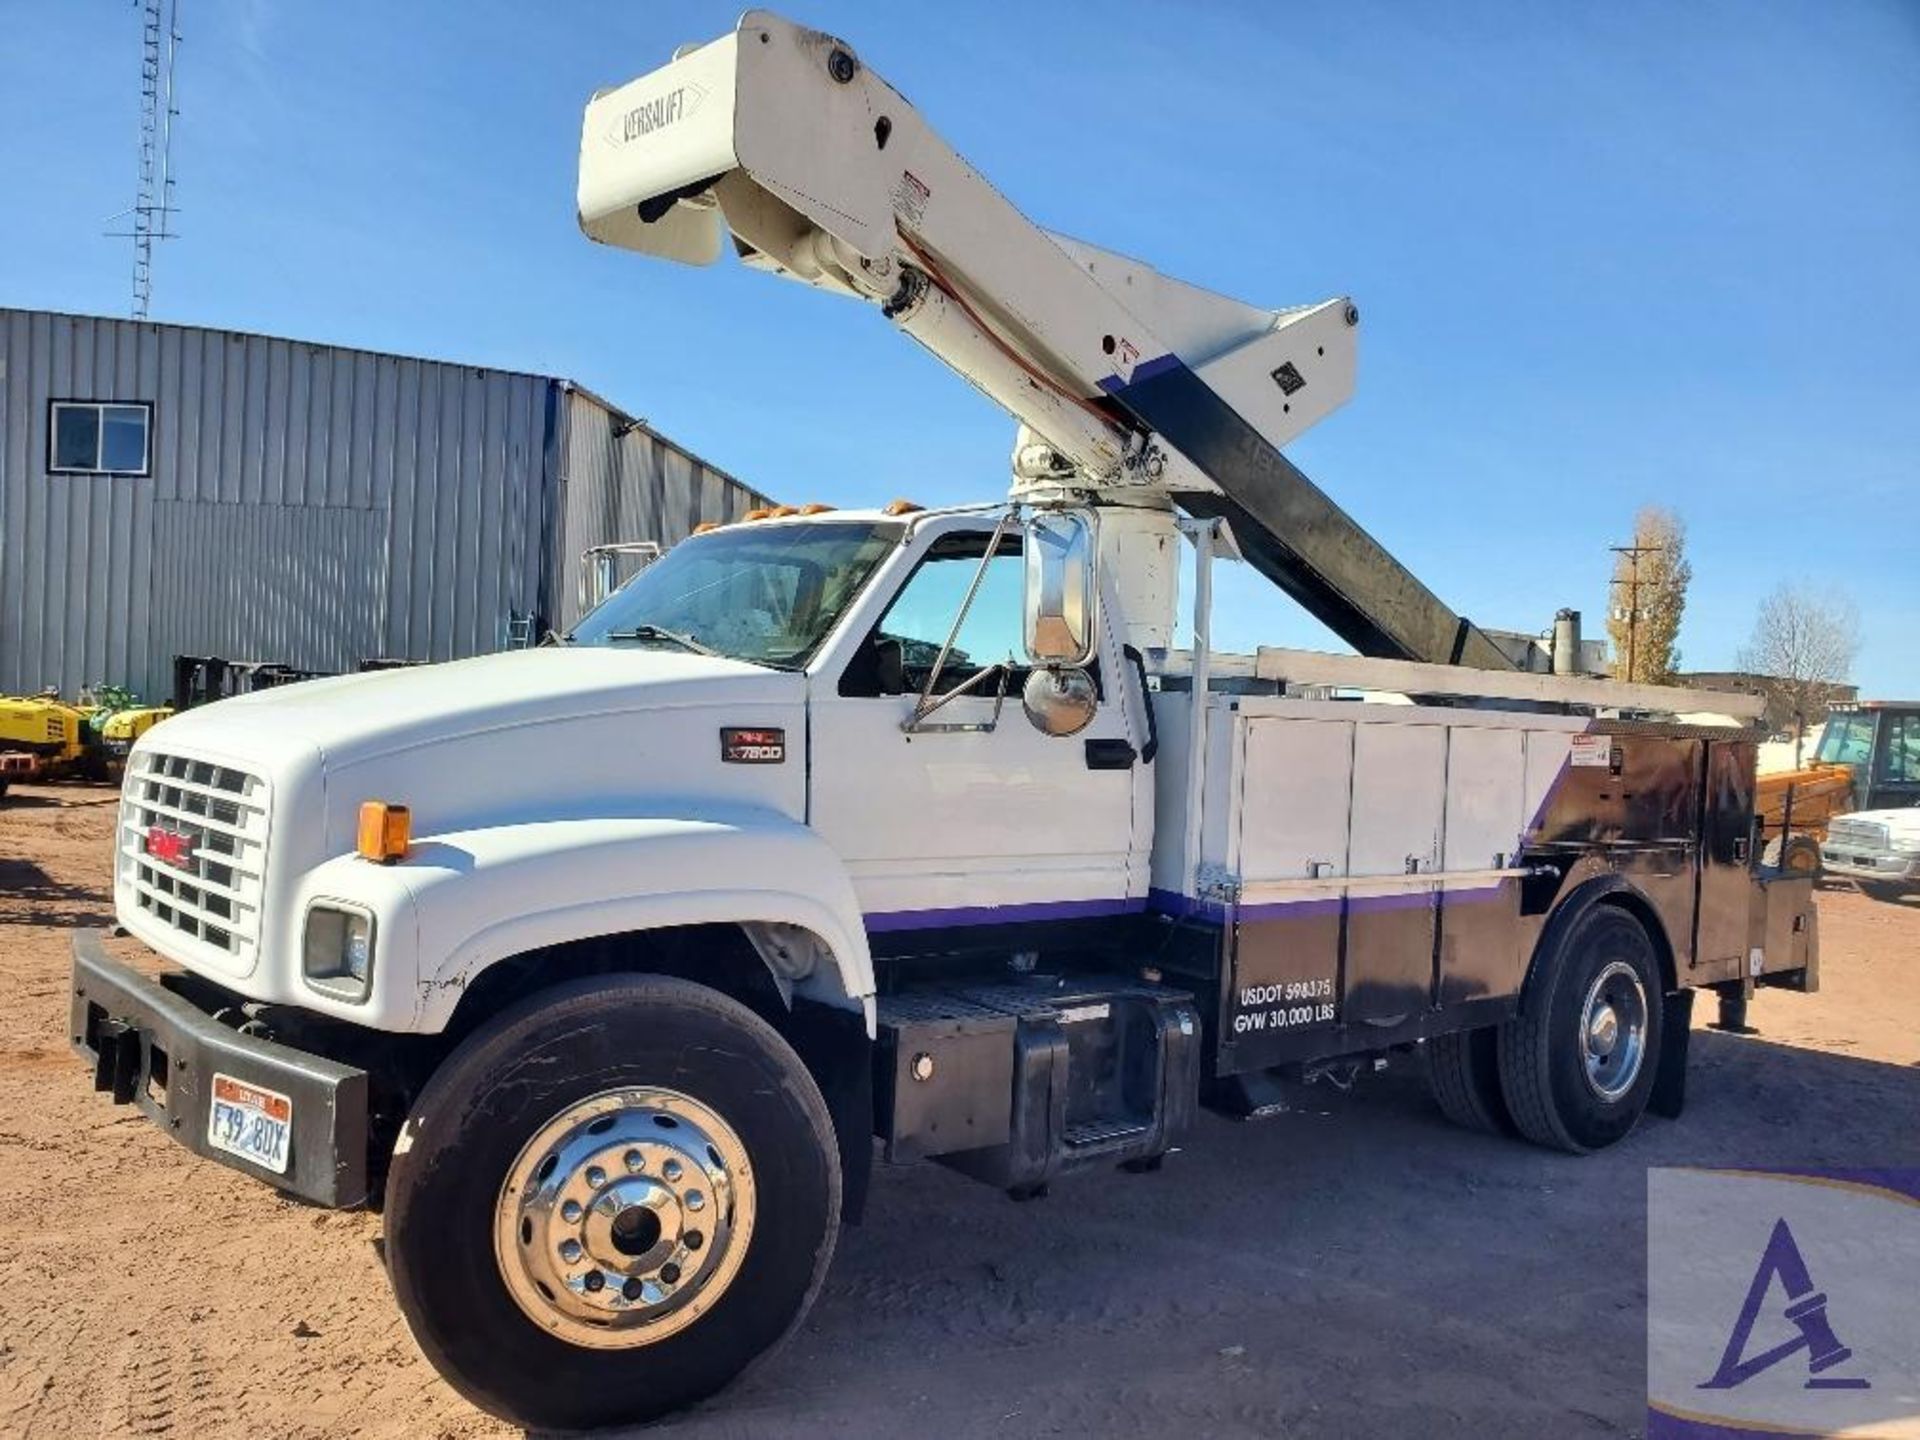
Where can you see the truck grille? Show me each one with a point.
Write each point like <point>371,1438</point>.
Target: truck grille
<point>193,849</point>
<point>1857,834</point>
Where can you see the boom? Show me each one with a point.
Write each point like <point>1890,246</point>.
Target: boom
<point>1129,386</point>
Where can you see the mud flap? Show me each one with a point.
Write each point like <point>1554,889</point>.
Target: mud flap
<point>1669,1096</point>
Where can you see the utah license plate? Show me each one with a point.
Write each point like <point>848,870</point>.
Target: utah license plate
<point>250,1122</point>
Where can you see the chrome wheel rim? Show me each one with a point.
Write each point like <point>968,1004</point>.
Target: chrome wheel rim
<point>625,1218</point>
<point>1613,1030</point>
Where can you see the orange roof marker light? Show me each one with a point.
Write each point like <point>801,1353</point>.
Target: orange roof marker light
<point>758,513</point>
<point>385,831</point>
<point>779,512</point>
<point>706,525</point>
<point>903,507</point>
<point>816,508</point>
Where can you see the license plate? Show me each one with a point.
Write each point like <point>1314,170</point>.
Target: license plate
<point>250,1122</point>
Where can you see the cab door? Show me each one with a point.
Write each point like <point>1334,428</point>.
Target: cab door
<point>974,819</point>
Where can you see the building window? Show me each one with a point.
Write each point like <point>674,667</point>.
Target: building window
<point>96,437</point>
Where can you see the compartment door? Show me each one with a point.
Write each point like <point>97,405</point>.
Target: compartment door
<point>1284,979</point>
<point>1726,880</point>
<point>1486,811</point>
<point>1399,801</point>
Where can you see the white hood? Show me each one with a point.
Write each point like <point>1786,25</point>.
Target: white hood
<point>547,733</point>
<point>356,717</point>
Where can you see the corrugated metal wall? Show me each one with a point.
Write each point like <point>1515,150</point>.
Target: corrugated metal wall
<point>620,480</point>
<point>308,504</point>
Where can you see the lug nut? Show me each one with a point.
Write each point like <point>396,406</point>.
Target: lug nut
<point>569,1250</point>
<point>595,1281</point>
<point>695,1200</point>
<point>635,1160</point>
<point>670,1273</point>
<point>570,1211</point>
<point>672,1169</point>
<point>693,1239</point>
<point>596,1177</point>
<point>634,1288</point>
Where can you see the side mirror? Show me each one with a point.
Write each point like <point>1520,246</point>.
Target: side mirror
<point>1062,589</point>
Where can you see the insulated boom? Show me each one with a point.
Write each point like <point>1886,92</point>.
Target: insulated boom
<point>1130,386</point>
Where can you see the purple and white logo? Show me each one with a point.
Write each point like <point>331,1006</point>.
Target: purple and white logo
<point>1783,1303</point>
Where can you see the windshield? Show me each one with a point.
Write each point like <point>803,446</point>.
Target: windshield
<point>768,594</point>
<point>1847,740</point>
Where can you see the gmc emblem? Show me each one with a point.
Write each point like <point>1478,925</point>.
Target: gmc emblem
<point>759,746</point>
<point>169,847</point>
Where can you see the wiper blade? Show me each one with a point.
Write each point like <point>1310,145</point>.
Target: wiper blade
<point>655,632</point>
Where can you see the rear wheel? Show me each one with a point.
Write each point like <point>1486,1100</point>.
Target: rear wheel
<point>1577,1065</point>
<point>1463,1074</point>
<point>610,1201</point>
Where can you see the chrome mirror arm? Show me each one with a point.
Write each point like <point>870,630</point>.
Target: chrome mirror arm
<point>916,722</point>
<point>926,704</point>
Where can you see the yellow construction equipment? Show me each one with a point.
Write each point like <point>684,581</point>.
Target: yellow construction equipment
<point>1794,806</point>
<point>44,738</point>
<point>121,728</point>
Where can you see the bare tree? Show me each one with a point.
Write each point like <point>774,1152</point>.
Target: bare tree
<point>1650,579</point>
<point>1804,643</point>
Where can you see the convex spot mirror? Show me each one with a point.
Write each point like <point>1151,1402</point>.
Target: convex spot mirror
<point>1059,701</point>
<point>1062,590</point>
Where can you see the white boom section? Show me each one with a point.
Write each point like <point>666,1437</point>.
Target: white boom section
<point>824,173</point>
<point>1130,387</point>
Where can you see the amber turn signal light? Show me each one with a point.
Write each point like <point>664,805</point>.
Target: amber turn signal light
<point>384,831</point>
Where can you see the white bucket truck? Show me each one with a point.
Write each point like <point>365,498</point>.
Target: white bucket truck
<point>601,966</point>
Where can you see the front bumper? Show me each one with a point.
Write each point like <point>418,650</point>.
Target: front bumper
<point>150,1045</point>
<point>1851,864</point>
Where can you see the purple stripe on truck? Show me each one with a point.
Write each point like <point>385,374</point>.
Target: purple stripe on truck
<point>1000,914</point>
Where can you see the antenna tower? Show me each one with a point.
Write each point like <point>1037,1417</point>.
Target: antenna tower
<point>153,208</point>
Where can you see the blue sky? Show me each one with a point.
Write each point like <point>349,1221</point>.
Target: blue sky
<point>1607,255</point>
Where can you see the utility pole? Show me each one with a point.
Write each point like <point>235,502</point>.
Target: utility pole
<point>1633,553</point>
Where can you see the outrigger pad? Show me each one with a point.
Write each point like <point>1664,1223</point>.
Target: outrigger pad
<point>1669,1096</point>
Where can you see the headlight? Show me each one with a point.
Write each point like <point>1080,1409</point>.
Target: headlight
<point>337,953</point>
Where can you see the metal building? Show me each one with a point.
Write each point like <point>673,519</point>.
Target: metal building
<point>169,489</point>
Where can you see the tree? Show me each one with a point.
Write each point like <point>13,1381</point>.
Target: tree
<point>1650,579</point>
<point>1804,644</point>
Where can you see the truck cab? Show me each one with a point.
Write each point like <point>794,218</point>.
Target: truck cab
<point>1877,844</point>
<point>1880,741</point>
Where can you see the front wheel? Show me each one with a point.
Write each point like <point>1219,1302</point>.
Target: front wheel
<point>610,1201</point>
<point>1577,1065</point>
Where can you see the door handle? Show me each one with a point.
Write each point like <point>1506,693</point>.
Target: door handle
<point>1152,747</point>
<point>1110,755</point>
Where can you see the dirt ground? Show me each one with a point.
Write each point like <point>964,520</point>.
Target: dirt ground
<point>1354,1267</point>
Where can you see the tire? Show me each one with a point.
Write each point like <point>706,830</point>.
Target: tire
<point>1544,1068</point>
<point>771,1205</point>
<point>1801,856</point>
<point>1463,1075</point>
